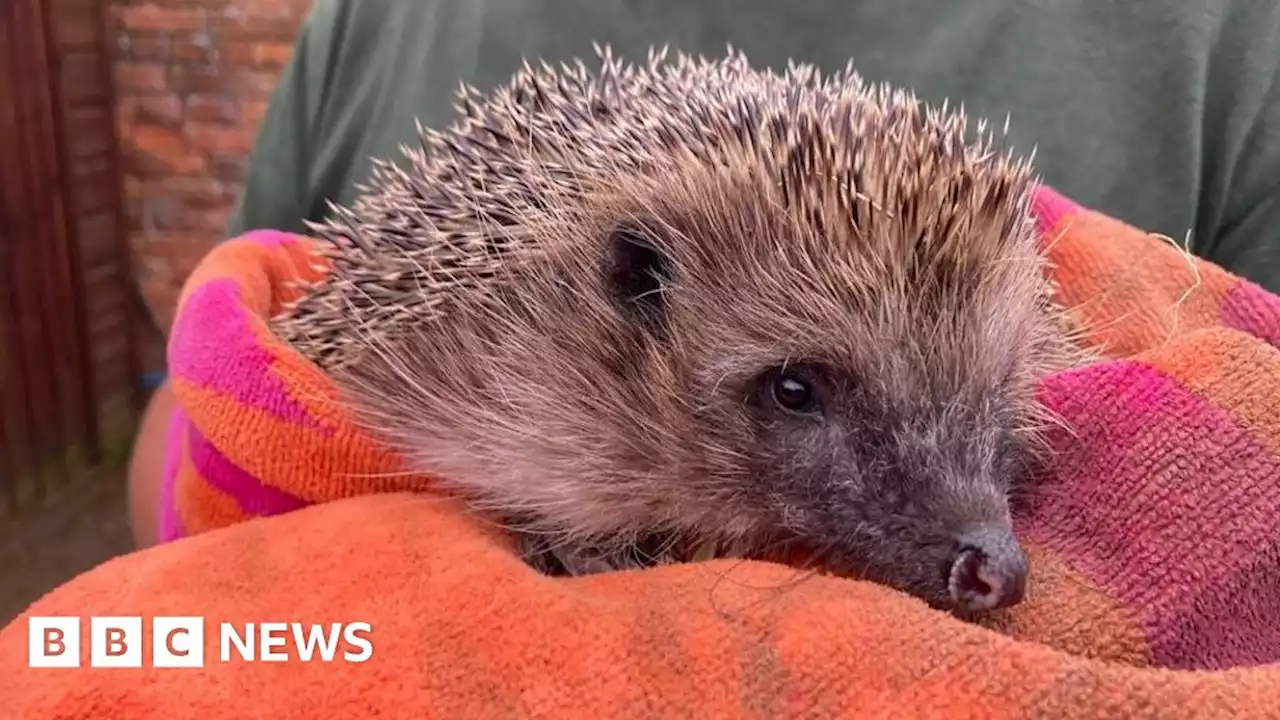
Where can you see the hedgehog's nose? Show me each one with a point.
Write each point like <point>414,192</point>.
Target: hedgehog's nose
<point>988,571</point>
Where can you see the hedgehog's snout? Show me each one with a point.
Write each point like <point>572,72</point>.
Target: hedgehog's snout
<point>988,570</point>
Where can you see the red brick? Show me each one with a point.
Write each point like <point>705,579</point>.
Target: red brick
<point>144,164</point>
<point>256,83</point>
<point>218,139</point>
<point>199,193</point>
<point>211,109</point>
<point>142,78</point>
<point>273,55</point>
<point>183,167</point>
<point>145,46</point>
<point>228,168</point>
<point>193,47</point>
<point>132,188</point>
<point>162,111</point>
<point>253,54</point>
<point>201,79</point>
<point>157,17</point>
<point>126,114</point>
<point>253,111</point>
<point>161,212</point>
<point>212,221</point>
<point>156,141</point>
<point>236,52</point>
<point>244,26</point>
<point>234,79</point>
<point>180,250</point>
<point>171,212</point>
<point>187,164</point>
<point>215,7</point>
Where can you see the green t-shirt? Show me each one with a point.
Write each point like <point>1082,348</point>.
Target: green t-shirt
<point>1165,115</point>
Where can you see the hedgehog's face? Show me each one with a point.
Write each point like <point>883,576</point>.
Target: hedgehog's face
<point>882,482</point>
<point>879,428</point>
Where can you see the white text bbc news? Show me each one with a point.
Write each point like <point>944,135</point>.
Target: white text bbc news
<point>179,642</point>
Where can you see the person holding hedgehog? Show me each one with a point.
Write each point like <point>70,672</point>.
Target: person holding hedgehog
<point>1162,115</point>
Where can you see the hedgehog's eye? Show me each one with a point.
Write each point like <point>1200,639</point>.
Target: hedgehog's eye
<point>793,392</point>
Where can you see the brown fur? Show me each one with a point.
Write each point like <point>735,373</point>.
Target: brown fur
<point>573,309</point>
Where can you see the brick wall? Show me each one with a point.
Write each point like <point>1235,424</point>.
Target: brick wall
<point>83,92</point>
<point>192,80</point>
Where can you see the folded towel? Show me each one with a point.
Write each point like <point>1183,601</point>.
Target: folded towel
<point>1154,542</point>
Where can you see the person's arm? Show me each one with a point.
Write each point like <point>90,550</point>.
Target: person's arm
<point>146,466</point>
<point>1242,146</point>
<point>1248,239</point>
<point>1250,245</point>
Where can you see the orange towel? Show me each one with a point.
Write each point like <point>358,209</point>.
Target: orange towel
<point>1155,551</point>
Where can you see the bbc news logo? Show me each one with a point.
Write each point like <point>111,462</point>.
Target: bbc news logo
<point>179,642</point>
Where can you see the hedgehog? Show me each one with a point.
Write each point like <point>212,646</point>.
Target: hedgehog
<point>689,308</point>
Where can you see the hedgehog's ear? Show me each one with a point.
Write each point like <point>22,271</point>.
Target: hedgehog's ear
<point>637,271</point>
